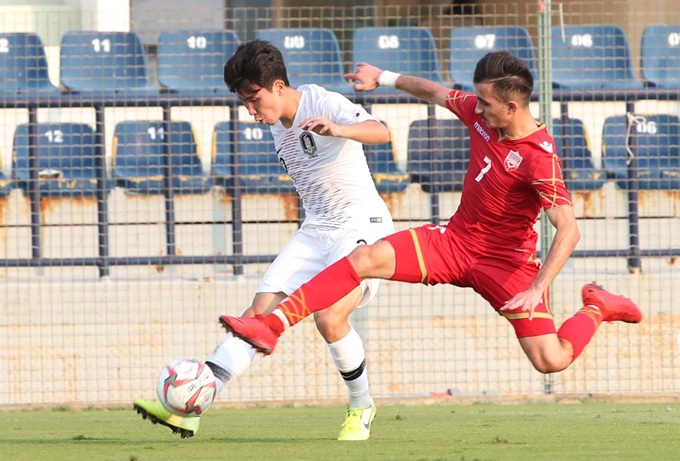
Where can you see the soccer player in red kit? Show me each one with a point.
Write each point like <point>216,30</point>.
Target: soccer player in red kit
<point>489,244</point>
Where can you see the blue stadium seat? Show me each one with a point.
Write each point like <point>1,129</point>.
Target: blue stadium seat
<point>311,55</point>
<point>138,158</point>
<point>66,159</point>
<point>105,64</point>
<point>222,158</point>
<point>5,185</point>
<point>23,66</point>
<point>592,58</point>
<point>444,150</point>
<point>406,50</point>
<point>614,153</point>
<point>469,44</point>
<point>221,155</point>
<point>573,146</point>
<point>388,177</point>
<point>656,146</point>
<point>260,171</point>
<point>660,56</point>
<point>191,62</point>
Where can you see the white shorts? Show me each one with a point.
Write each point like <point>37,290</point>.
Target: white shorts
<point>311,250</point>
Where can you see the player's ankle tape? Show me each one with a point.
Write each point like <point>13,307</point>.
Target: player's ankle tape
<point>284,320</point>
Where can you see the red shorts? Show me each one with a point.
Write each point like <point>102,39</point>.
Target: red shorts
<point>436,254</point>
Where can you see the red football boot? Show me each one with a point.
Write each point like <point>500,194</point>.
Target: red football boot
<point>613,307</point>
<point>252,330</point>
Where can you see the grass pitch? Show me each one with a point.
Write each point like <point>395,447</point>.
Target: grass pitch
<point>480,432</point>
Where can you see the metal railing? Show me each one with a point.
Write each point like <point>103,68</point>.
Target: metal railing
<point>237,259</point>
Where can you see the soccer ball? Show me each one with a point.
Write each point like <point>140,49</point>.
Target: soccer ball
<point>186,387</point>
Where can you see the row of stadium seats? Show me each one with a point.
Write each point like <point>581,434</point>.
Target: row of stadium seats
<point>656,148</point>
<point>190,62</point>
<point>67,154</point>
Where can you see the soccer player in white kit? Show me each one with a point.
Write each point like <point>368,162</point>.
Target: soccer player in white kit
<point>318,136</point>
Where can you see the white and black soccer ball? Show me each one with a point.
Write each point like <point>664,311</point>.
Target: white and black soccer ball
<point>186,387</point>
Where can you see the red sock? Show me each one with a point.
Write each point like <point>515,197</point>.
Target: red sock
<point>324,290</point>
<point>579,329</point>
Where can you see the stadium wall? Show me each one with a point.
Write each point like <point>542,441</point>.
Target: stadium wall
<point>59,346</point>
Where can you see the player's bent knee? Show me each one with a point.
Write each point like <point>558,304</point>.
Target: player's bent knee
<point>548,365</point>
<point>331,326</point>
<point>367,260</point>
<point>360,258</point>
<point>327,330</point>
<point>328,318</point>
<point>546,354</point>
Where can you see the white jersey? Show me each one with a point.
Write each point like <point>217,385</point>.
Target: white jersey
<point>330,173</point>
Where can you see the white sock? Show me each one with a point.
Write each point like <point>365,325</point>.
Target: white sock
<point>350,358</point>
<point>232,357</point>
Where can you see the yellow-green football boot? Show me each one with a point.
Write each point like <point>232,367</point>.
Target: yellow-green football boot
<point>357,425</point>
<point>154,411</point>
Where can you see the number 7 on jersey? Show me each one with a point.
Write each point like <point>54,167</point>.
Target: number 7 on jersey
<point>484,170</point>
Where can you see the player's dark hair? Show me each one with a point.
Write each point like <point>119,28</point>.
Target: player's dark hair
<point>510,76</point>
<point>257,62</point>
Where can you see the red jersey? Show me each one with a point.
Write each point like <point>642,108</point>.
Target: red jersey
<point>507,183</point>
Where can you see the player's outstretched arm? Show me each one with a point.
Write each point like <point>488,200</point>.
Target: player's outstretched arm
<point>367,132</point>
<point>566,237</point>
<point>368,77</point>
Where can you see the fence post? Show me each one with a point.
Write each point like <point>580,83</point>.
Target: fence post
<point>34,181</point>
<point>236,205</point>
<point>435,175</point>
<point>545,97</point>
<point>168,191</point>
<point>102,206</point>
<point>634,263</point>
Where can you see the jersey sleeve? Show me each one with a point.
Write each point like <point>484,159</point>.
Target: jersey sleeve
<point>462,104</point>
<point>342,111</point>
<point>548,182</point>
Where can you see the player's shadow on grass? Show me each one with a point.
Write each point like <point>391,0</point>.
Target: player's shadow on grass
<point>78,439</point>
<point>282,439</point>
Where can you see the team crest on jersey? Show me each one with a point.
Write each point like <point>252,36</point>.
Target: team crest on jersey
<point>513,160</point>
<point>308,144</point>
